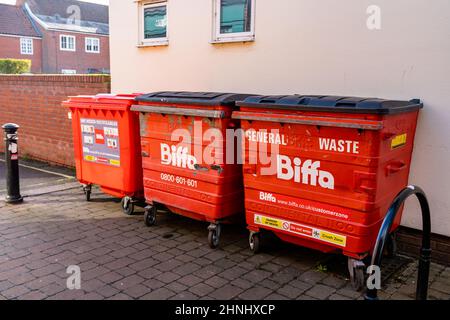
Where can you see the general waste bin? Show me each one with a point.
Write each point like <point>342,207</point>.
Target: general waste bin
<point>178,175</point>
<point>107,146</point>
<point>336,165</point>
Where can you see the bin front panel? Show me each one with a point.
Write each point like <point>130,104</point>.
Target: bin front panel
<point>176,174</point>
<point>332,175</point>
<point>107,143</point>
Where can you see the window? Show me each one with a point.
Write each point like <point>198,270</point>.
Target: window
<point>67,43</point>
<point>26,46</point>
<point>154,23</point>
<point>234,20</point>
<point>68,71</point>
<point>92,45</point>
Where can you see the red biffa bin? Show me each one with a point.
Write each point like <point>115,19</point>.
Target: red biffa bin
<point>107,146</point>
<point>336,165</point>
<point>176,175</point>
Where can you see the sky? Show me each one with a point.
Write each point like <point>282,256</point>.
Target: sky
<point>95,1</point>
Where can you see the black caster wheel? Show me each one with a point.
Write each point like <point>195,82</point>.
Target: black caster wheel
<point>214,235</point>
<point>150,216</point>
<point>254,242</point>
<point>357,271</point>
<point>87,192</point>
<point>391,246</point>
<point>127,205</point>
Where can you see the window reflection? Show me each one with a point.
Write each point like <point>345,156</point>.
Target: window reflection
<point>235,16</point>
<point>155,22</point>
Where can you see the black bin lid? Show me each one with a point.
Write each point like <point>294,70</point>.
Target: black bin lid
<point>193,98</point>
<point>332,104</point>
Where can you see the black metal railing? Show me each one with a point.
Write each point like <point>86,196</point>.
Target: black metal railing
<point>425,252</point>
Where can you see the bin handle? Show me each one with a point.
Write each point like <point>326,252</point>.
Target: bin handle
<point>395,167</point>
<point>216,114</point>
<point>310,120</point>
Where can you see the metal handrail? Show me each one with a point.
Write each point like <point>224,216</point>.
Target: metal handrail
<point>425,252</point>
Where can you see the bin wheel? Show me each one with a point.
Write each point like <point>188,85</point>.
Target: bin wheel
<point>87,192</point>
<point>214,235</point>
<point>254,242</point>
<point>150,216</point>
<point>391,245</point>
<point>127,205</point>
<point>357,270</point>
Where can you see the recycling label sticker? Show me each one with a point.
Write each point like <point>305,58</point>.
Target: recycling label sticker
<point>100,140</point>
<point>302,230</point>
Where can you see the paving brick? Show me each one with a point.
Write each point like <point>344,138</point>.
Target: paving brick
<point>233,273</point>
<point>190,280</point>
<point>159,294</point>
<point>153,284</point>
<point>128,282</point>
<point>52,289</point>
<point>256,276</point>
<point>126,271</point>
<point>243,284</point>
<point>334,282</point>
<point>186,295</point>
<point>120,297</point>
<point>5,285</point>
<point>208,271</point>
<point>441,286</point>
<point>168,277</point>
<point>226,292</point>
<point>255,293</point>
<point>15,292</point>
<point>137,291</point>
<point>176,287</point>
<point>349,292</point>
<point>107,291</point>
<point>109,277</point>
<point>216,281</point>
<point>92,285</point>
<point>186,269</point>
<point>320,291</point>
<point>201,289</point>
<point>312,276</point>
<point>34,295</point>
<point>168,265</point>
<point>336,296</point>
<point>90,296</point>
<point>290,291</point>
<point>438,295</point>
<point>275,296</point>
<point>122,259</point>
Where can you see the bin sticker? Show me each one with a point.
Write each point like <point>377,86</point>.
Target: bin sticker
<point>302,230</point>
<point>398,141</point>
<point>100,139</point>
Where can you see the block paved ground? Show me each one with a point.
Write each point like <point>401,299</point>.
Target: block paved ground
<point>120,258</point>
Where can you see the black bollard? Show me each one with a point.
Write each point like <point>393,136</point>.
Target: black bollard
<point>12,164</point>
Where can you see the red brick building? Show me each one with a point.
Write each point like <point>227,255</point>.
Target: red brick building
<point>69,36</point>
<point>20,38</point>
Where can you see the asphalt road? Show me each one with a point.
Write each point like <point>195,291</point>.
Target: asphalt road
<point>33,178</point>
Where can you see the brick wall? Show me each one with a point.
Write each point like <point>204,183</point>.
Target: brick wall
<point>34,103</point>
<point>54,59</point>
<point>410,240</point>
<point>10,48</point>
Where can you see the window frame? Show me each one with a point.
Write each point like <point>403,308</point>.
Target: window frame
<point>68,36</point>
<point>86,45</point>
<point>163,41</point>
<point>219,37</point>
<point>22,40</point>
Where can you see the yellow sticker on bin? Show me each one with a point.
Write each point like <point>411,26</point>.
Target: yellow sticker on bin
<point>300,229</point>
<point>399,141</point>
